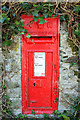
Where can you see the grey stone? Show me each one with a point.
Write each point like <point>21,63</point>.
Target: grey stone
<point>14,93</point>
<point>11,84</point>
<point>16,103</point>
<point>17,111</point>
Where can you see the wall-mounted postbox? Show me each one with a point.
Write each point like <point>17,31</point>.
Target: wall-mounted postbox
<point>40,65</point>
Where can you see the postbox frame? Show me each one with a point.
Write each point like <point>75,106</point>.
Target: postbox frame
<point>55,71</point>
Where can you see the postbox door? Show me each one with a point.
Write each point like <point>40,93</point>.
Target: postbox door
<point>40,79</point>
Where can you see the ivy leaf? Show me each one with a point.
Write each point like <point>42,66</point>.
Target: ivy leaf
<point>42,21</point>
<point>21,23</point>
<point>4,110</point>
<point>4,17</point>
<point>33,112</point>
<point>45,15</point>
<point>56,112</point>
<point>54,16</point>
<point>21,117</point>
<point>39,7</point>
<point>8,102</point>
<point>50,13</point>
<point>35,13</point>
<point>7,43</point>
<point>9,113</point>
<point>34,5</point>
<point>25,115</point>
<point>17,23</point>
<point>28,36</point>
<point>35,18</point>
<point>4,86</point>
<point>42,17</point>
<point>13,14</point>
<point>24,31</point>
<point>4,8</point>
<point>56,99</point>
<point>62,18</point>
<point>77,9</point>
<point>4,14</point>
<point>5,96</point>
<point>77,32</point>
<point>8,19</point>
<point>24,4</point>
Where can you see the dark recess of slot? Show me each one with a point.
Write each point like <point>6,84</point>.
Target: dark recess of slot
<point>34,84</point>
<point>41,37</point>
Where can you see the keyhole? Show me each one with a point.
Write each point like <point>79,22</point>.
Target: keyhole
<point>34,84</point>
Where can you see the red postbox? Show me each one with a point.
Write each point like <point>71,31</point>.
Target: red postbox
<point>40,65</point>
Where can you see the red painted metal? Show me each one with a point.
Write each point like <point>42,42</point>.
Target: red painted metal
<point>39,93</point>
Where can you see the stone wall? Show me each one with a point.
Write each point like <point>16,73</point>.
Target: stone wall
<point>13,75</point>
<point>68,84</point>
<point>68,81</point>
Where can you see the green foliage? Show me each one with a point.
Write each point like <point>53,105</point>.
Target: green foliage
<point>62,17</point>
<point>71,64</point>
<point>4,110</point>
<point>10,17</point>
<point>56,100</point>
<point>76,106</point>
<point>73,113</point>
<point>24,5</point>
<point>77,9</point>
<point>4,86</point>
<point>46,116</point>
<point>55,15</point>
<point>35,18</point>
<point>35,13</point>
<point>17,23</point>
<point>41,21</point>
<point>28,35</point>
<point>7,43</point>
<point>61,115</point>
<point>77,31</point>
<point>21,116</point>
<point>4,18</point>
<point>4,8</point>
<point>33,112</point>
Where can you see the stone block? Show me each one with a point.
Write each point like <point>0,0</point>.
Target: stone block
<point>11,84</point>
<point>16,78</point>
<point>16,103</point>
<point>62,106</point>
<point>14,92</point>
<point>17,111</point>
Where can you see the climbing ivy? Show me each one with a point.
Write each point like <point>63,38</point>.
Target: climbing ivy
<point>12,24</point>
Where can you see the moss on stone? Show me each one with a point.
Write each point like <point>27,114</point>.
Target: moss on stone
<point>16,47</point>
<point>76,73</point>
<point>73,46</point>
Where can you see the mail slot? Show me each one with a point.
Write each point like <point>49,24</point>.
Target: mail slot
<point>40,65</point>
